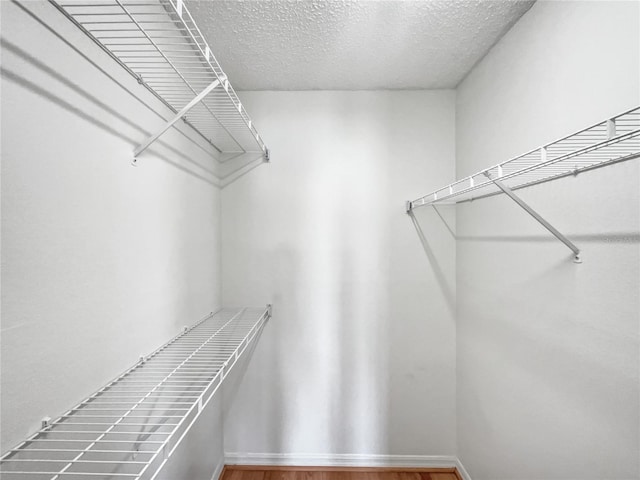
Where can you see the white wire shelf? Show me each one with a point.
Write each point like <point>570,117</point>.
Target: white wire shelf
<point>608,142</point>
<point>158,42</point>
<point>130,427</point>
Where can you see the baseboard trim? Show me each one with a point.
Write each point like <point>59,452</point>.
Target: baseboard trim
<point>217,473</point>
<point>462,472</point>
<point>341,460</point>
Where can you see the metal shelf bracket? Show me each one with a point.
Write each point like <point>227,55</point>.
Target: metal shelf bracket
<point>507,191</point>
<point>143,146</point>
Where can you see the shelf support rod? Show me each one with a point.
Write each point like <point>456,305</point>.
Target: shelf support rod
<point>142,147</point>
<point>536,215</point>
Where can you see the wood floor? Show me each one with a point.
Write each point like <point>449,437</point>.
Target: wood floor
<point>246,472</point>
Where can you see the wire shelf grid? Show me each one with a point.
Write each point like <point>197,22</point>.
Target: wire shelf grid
<point>608,142</point>
<point>159,43</point>
<point>130,427</point>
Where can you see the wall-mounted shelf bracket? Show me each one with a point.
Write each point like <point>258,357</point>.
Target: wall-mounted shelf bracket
<point>142,147</point>
<point>408,207</point>
<point>507,191</point>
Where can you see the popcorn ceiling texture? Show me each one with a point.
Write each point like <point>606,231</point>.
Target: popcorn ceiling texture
<point>352,45</point>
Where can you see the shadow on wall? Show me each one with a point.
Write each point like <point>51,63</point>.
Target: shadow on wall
<point>540,364</point>
<point>225,170</point>
<point>112,116</point>
<point>445,285</point>
<point>558,283</point>
<point>362,332</point>
<point>340,364</point>
<point>332,398</point>
<point>343,367</point>
<point>614,237</point>
<point>263,369</point>
<point>234,381</point>
<point>102,124</point>
<point>253,161</point>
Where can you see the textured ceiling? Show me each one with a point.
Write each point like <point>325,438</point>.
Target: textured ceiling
<point>351,45</point>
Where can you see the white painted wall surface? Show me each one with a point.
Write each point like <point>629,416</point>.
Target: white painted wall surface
<point>548,355</point>
<point>200,455</point>
<point>101,261</point>
<point>359,356</point>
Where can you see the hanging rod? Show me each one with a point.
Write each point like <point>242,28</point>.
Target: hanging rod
<point>108,444</point>
<point>614,140</point>
<point>178,72</point>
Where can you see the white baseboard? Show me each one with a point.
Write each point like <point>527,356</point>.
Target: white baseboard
<point>341,460</point>
<point>462,471</point>
<point>218,470</point>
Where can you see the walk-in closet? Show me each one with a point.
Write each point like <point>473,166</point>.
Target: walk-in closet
<point>320,240</point>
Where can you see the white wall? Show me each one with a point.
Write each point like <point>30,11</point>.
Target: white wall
<point>548,356</point>
<point>101,261</point>
<point>360,354</point>
<point>200,456</point>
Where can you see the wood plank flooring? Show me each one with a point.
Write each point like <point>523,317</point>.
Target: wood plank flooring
<point>246,472</point>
